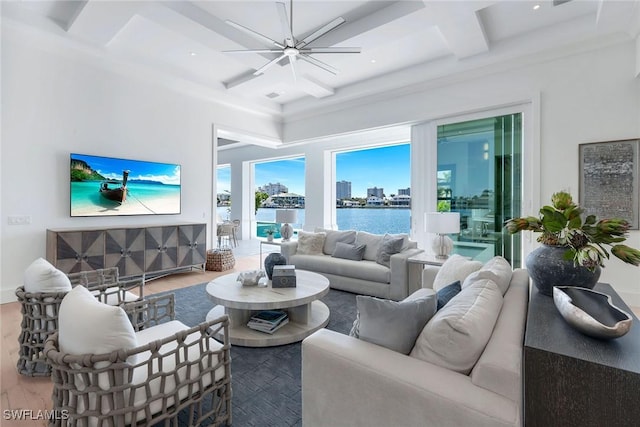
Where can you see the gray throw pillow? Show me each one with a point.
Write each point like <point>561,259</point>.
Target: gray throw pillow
<point>347,251</point>
<point>390,245</point>
<point>392,324</point>
<point>335,236</point>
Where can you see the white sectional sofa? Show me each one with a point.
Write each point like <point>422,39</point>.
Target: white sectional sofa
<point>375,269</point>
<point>348,381</point>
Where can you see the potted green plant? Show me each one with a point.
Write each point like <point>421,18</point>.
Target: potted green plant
<point>573,250</point>
<point>270,232</point>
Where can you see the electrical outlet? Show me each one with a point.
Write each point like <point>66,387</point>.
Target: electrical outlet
<point>19,219</point>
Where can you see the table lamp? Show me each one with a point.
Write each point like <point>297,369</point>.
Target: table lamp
<point>442,223</point>
<point>284,217</point>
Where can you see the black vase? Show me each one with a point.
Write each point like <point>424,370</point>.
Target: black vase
<point>547,268</point>
<point>272,260</point>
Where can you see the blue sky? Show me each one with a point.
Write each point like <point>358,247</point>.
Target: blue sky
<point>112,168</point>
<point>386,167</point>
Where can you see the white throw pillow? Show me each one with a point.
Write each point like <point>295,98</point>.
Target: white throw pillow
<point>310,243</point>
<point>458,333</point>
<point>41,276</point>
<point>455,268</point>
<point>372,244</point>
<point>87,326</point>
<point>497,269</point>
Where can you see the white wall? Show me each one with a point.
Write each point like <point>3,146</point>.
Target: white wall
<point>55,102</point>
<point>586,97</point>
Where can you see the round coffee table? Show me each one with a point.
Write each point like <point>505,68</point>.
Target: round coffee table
<point>306,313</point>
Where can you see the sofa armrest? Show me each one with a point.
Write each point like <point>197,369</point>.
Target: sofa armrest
<point>400,274</point>
<point>288,248</point>
<point>429,275</point>
<point>349,382</point>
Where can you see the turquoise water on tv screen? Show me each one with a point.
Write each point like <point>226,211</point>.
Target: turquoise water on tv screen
<point>142,198</point>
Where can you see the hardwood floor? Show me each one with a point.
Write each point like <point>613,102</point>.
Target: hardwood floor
<point>29,395</point>
<point>34,394</point>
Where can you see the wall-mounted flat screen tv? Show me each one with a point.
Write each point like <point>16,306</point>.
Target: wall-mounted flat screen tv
<point>110,186</point>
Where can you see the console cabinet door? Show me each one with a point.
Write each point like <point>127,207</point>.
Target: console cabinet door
<point>161,248</point>
<point>192,244</point>
<point>79,251</point>
<point>125,249</point>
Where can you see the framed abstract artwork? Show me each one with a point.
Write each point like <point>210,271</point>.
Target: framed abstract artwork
<point>609,183</point>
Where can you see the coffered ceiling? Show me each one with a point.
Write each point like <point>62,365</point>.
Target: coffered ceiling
<point>402,42</point>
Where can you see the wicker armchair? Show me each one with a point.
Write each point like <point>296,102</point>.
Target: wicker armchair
<point>40,313</point>
<point>120,291</point>
<point>176,376</point>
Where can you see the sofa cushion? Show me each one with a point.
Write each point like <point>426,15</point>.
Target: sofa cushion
<point>42,276</point>
<point>348,251</point>
<point>310,243</point>
<point>365,270</point>
<point>335,236</point>
<point>372,244</point>
<point>457,334</point>
<point>497,269</point>
<point>87,326</point>
<point>392,324</point>
<point>447,293</point>
<point>390,245</point>
<point>456,267</point>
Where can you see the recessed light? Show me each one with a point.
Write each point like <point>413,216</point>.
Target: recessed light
<point>536,7</point>
<point>373,61</point>
<point>192,53</point>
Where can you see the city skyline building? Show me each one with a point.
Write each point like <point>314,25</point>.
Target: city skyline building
<point>273,189</point>
<point>375,192</point>
<point>343,190</point>
<point>404,191</point>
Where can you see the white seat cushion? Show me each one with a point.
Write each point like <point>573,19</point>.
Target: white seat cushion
<point>140,376</point>
<point>365,270</point>
<point>112,296</point>
<point>456,335</point>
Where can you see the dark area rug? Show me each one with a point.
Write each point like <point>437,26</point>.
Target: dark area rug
<point>265,381</point>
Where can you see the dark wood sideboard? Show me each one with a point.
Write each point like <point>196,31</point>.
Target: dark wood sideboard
<point>571,379</point>
<point>138,251</point>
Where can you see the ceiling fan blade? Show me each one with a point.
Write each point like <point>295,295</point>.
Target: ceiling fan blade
<point>286,27</point>
<point>269,64</point>
<point>331,50</point>
<point>255,35</point>
<point>318,63</point>
<point>253,51</point>
<point>321,31</point>
<point>292,62</point>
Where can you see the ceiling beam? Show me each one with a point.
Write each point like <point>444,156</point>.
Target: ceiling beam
<point>100,21</point>
<point>461,26</point>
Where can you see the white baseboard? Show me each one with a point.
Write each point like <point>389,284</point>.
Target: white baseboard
<point>7,296</point>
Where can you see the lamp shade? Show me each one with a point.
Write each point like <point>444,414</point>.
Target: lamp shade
<point>442,222</point>
<point>284,216</point>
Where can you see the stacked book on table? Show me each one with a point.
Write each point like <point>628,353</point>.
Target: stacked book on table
<point>268,321</point>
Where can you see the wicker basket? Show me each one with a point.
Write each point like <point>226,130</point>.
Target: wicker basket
<point>220,259</point>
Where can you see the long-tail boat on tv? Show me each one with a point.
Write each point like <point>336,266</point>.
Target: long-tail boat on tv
<point>115,190</point>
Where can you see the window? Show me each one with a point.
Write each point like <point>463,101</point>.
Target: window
<point>223,192</point>
<point>373,191</point>
<point>280,184</point>
<point>479,175</point>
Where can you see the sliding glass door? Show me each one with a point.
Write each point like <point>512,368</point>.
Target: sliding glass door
<point>479,173</point>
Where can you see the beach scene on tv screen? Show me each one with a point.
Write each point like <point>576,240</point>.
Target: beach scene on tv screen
<point>110,186</point>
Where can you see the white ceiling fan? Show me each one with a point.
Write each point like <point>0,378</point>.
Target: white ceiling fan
<point>292,48</point>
